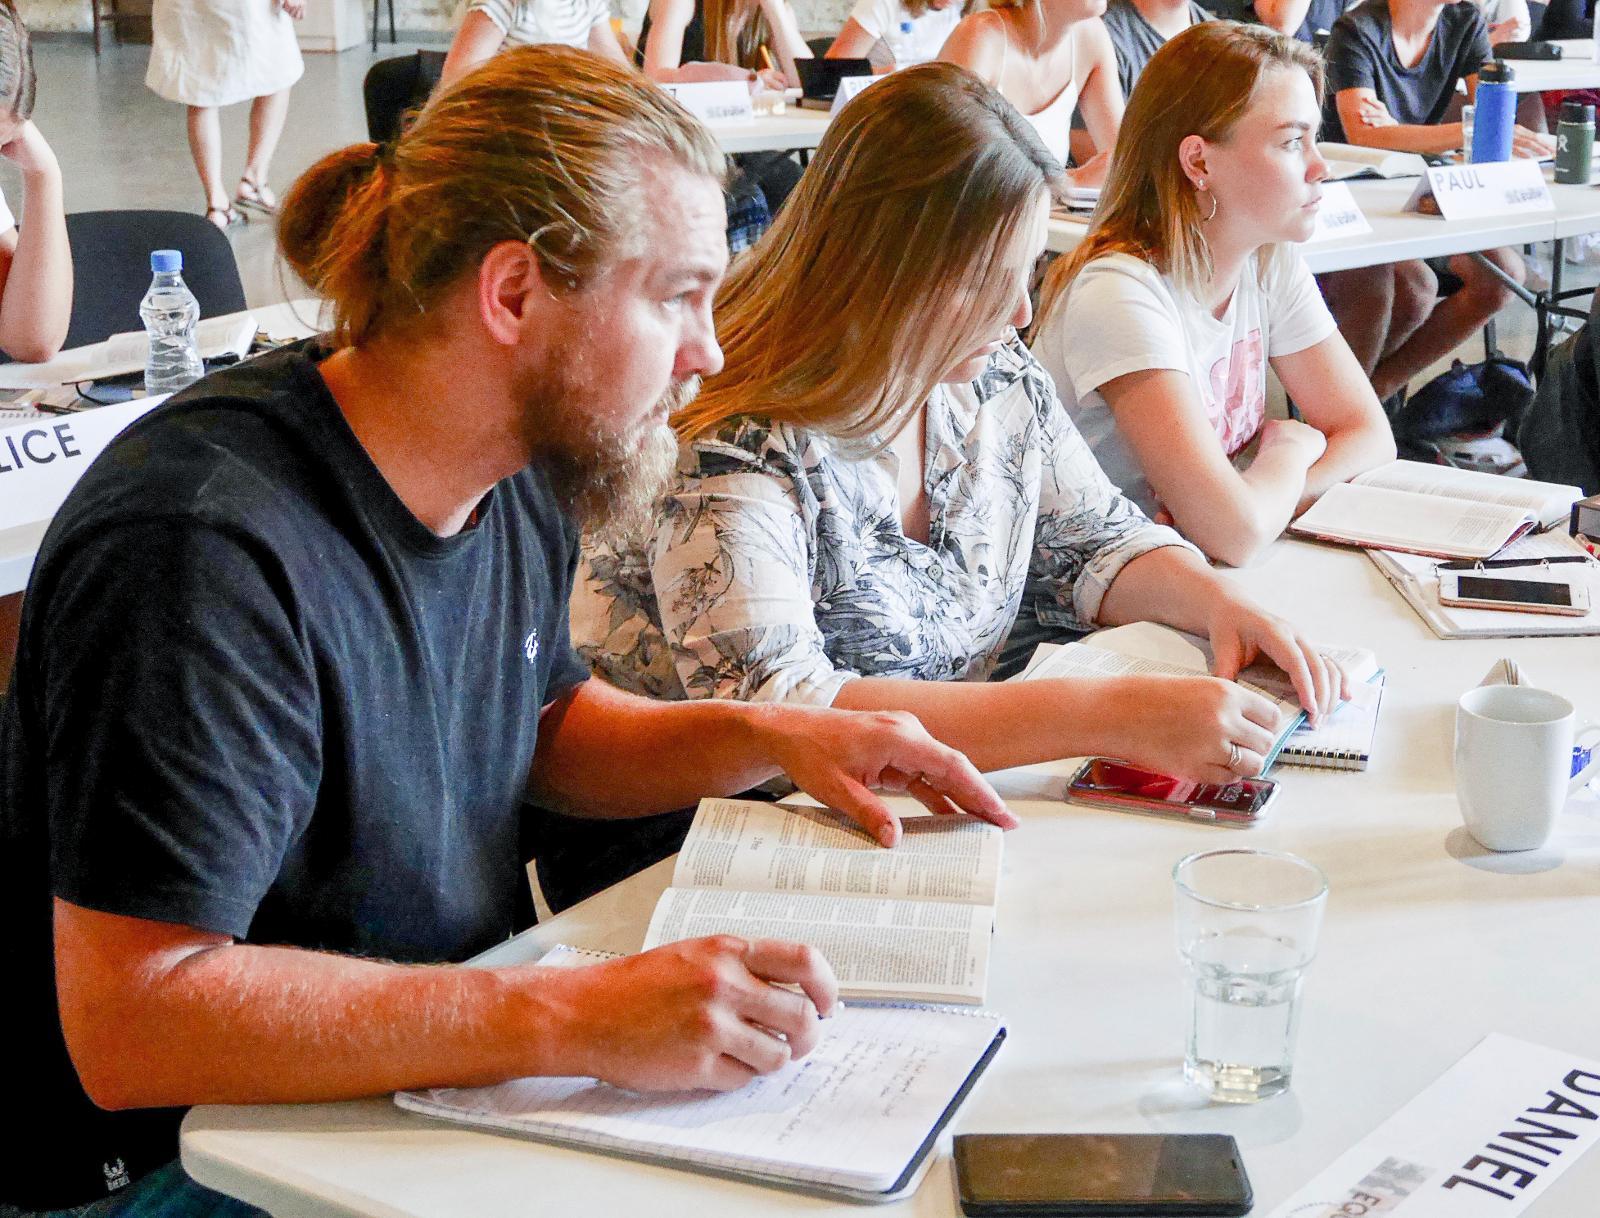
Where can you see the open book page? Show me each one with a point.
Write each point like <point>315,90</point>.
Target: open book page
<point>933,951</point>
<point>754,846</point>
<point>1344,740</point>
<point>1546,501</point>
<point>1353,161</point>
<point>1401,520</point>
<point>853,1112</point>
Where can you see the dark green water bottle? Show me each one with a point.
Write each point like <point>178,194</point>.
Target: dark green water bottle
<point>1574,143</point>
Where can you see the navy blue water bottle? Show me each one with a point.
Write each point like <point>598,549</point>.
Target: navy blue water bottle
<point>1495,113</point>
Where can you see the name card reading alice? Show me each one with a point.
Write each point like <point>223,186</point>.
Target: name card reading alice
<point>715,101</point>
<point>1464,192</point>
<point>1339,215</point>
<point>41,461</point>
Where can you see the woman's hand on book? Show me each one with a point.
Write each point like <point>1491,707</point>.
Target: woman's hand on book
<point>841,757</point>
<point>1201,728</point>
<point>1242,631</point>
<point>708,1013</point>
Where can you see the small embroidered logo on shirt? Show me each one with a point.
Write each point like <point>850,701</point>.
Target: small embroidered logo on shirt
<point>530,646</point>
<point>116,1175</point>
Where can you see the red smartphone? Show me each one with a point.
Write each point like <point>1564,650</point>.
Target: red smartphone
<point>1108,783</point>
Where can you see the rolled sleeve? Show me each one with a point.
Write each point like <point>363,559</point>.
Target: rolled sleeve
<point>1088,531</point>
<point>732,577</point>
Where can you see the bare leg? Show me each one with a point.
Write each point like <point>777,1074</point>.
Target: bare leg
<point>267,115</point>
<point>1456,318</point>
<point>205,145</point>
<point>1361,301</point>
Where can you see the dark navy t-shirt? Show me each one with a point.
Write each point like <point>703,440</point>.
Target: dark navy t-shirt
<point>1361,55</point>
<point>255,695</point>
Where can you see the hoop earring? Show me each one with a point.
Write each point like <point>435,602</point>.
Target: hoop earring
<point>1201,185</point>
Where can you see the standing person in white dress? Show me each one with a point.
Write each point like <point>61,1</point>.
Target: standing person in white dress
<point>212,53</point>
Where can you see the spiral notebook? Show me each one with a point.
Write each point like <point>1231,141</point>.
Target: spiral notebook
<point>1344,741</point>
<point>858,1117</point>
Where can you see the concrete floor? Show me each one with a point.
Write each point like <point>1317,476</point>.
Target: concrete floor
<point>122,146</point>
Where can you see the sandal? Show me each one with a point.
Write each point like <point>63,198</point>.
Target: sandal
<point>230,217</point>
<point>256,196</point>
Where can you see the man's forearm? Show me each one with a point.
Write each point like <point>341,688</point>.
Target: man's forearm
<point>243,1024</point>
<point>606,753</point>
<point>1407,137</point>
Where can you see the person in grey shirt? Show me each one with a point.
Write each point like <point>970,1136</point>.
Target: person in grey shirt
<point>1138,29</point>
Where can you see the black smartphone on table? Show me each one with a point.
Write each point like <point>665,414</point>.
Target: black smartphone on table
<point>1078,1175</point>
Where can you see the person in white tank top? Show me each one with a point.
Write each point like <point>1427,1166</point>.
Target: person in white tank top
<point>1047,58</point>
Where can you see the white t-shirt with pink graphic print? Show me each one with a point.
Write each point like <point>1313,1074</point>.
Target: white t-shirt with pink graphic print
<point>1121,316</point>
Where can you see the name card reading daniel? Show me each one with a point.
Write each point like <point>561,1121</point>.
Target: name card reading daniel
<point>1499,188</point>
<point>1486,1138</point>
<point>1339,215</point>
<point>715,101</point>
<point>41,461</point>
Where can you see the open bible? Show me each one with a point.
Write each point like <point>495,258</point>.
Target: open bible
<point>911,923</point>
<point>1348,161</point>
<point>1436,510</point>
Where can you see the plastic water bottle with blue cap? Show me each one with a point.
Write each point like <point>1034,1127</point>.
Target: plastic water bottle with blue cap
<point>170,312</point>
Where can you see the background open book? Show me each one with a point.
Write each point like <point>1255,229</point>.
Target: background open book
<point>1436,510</point>
<point>1147,648</point>
<point>1347,161</point>
<point>914,922</point>
<point>858,1117</point>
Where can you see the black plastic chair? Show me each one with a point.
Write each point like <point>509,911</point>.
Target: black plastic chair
<point>394,87</point>
<point>111,268</point>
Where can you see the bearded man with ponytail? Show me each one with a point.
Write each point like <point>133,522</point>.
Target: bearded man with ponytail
<point>295,653</point>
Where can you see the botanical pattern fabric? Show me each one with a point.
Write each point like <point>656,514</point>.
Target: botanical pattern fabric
<point>779,569</point>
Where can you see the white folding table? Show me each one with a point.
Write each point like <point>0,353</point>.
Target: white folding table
<point>1429,943</point>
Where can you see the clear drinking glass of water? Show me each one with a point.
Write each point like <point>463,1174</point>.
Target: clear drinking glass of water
<point>1247,923</point>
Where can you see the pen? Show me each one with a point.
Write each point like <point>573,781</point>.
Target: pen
<point>1502,564</point>
<point>766,58</point>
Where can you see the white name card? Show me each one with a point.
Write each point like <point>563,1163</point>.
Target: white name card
<point>715,101</point>
<point>1339,215</point>
<point>1500,188</point>
<point>850,87</point>
<point>41,460</point>
<point>1482,1141</point>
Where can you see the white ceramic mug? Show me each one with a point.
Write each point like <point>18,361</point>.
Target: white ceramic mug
<point>1514,763</point>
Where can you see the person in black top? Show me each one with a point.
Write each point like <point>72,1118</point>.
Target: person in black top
<point>295,652</point>
<point>1393,66</point>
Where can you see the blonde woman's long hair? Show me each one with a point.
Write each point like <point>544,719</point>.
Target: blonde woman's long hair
<point>1200,83</point>
<point>735,32</point>
<point>889,264</point>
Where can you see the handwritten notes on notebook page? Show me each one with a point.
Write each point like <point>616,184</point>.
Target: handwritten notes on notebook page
<point>857,1112</point>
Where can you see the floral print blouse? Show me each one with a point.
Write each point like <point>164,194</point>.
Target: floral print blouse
<point>779,569</point>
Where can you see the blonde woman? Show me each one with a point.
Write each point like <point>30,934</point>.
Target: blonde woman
<point>912,31</point>
<point>880,488</point>
<point>722,40</point>
<point>492,26</point>
<point>1048,58</point>
<point>1159,327</point>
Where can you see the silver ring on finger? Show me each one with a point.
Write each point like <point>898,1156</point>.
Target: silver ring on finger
<point>1233,756</point>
